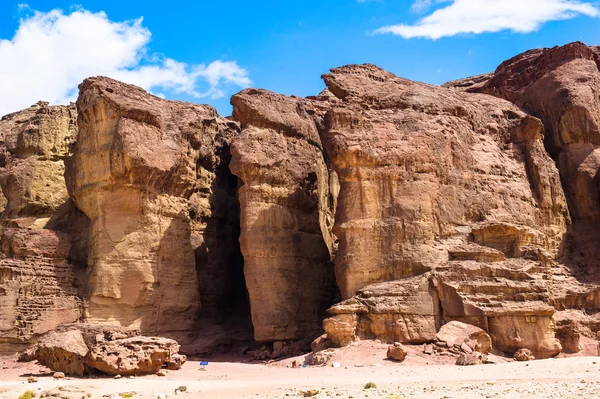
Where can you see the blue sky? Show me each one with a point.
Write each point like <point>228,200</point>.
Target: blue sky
<point>283,46</point>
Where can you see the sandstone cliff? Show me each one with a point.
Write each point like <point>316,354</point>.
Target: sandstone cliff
<point>41,230</point>
<point>148,174</point>
<point>286,214</point>
<point>416,204</point>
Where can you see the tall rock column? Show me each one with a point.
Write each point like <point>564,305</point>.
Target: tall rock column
<point>141,171</point>
<point>40,229</point>
<point>284,207</point>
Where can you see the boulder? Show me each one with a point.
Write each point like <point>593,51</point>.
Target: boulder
<point>176,361</point>
<point>523,355</point>
<point>319,358</point>
<point>320,343</point>
<point>132,356</point>
<point>460,334</point>
<point>470,359</point>
<point>63,352</point>
<point>396,352</point>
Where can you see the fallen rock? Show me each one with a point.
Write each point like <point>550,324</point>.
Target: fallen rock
<point>524,355</point>
<point>321,343</point>
<point>469,359</point>
<point>428,349</point>
<point>63,352</point>
<point>58,375</point>
<point>319,358</point>
<point>397,352</point>
<point>176,361</point>
<point>465,336</point>
<point>130,356</point>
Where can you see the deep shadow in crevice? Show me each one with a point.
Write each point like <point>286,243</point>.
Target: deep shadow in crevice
<point>224,319</point>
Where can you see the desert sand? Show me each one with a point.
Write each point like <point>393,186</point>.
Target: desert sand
<point>417,377</point>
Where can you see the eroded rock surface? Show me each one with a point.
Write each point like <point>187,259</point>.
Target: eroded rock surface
<point>42,233</point>
<point>147,174</point>
<point>286,214</point>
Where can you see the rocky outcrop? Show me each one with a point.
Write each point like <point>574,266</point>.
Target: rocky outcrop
<point>42,233</point>
<point>149,175</point>
<point>422,166</point>
<point>286,210</point>
<point>399,311</point>
<point>560,86</point>
<point>450,187</point>
<point>434,207</point>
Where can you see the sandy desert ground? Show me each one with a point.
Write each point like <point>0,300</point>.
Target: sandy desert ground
<point>417,377</point>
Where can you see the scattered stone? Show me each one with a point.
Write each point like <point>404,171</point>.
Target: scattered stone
<point>469,359</point>
<point>176,362</point>
<point>161,373</point>
<point>397,352</point>
<point>58,375</point>
<point>428,348</point>
<point>32,380</point>
<point>319,358</point>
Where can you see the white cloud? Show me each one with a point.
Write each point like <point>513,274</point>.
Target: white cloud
<point>479,16</point>
<point>51,53</point>
<point>420,6</point>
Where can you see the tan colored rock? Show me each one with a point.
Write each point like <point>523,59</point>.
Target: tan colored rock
<point>470,359</point>
<point>37,140</point>
<point>42,234</point>
<point>286,213</point>
<point>146,172</point>
<point>459,334</point>
<point>319,358</point>
<point>523,355</point>
<point>320,343</point>
<point>176,361</point>
<point>421,167</point>
<point>399,311</point>
<point>131,356</point>
<point>63,352</point>
<point>396,352</point>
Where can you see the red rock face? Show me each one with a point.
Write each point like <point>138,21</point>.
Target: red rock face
<point>561,86</point>
<point>429,204</point>
<point>147,172</point>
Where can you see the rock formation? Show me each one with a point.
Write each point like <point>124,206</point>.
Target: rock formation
<point>286,205</point>
<point>148,174</point>
<point>42,233</point>
<point>420,206</point>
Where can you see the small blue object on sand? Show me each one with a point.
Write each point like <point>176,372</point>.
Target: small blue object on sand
<point>203,363</point>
